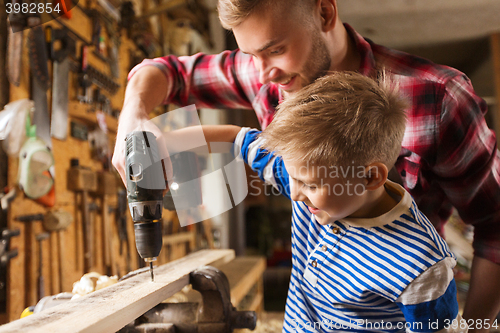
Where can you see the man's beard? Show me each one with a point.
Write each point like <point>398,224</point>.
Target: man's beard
<point>319,61</point>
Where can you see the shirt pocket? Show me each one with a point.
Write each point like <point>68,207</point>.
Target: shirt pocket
<point>409,168</point>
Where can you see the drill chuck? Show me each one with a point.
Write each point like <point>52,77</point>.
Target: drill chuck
<point>148,239</point>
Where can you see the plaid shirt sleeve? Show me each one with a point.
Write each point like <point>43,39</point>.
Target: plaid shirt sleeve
<point>225,80</point>
<point>468,164</point>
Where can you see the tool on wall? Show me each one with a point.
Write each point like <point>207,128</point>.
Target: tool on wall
<point>6,254</point>
<point>29,241</point>
<point>83,180</point>
<point>60,84</point>
<point>41,282</point>
<point>121,224</point>
<point>58,221</point>
<point>40,83</point>
<point>35,159</point>
<point>84,79</point>
<point>105,189</point>
<point>15,45</point>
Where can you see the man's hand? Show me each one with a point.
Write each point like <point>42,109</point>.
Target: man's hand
<point>145,90</point>
<point>483,299</point>
<point>137,122</point>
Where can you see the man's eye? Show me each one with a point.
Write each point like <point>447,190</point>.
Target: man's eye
<point>277,51</point>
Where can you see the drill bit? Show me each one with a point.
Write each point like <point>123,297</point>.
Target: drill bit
<point>151,270</point>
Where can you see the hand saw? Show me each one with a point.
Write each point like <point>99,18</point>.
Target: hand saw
<point>60,84</point>
<point>15,46</point>
<point>40,82</point>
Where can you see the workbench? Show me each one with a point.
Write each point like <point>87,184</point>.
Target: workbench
<point>111,308</point>
<point>245,276</point>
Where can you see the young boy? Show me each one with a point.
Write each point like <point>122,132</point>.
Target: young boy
<point>364,256</point>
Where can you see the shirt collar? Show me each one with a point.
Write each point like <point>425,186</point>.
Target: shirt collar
<point>367,64</point>
<point>402,207</point>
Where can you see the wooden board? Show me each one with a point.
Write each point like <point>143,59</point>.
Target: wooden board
<point>243,273</point>
<point>111,308</point>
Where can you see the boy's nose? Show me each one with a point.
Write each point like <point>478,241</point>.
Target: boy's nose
<point>296,194</point>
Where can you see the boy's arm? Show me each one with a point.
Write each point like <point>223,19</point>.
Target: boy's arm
<point>269,167</point>
<point>429,302</point>
<point>247,144</point>
<point>189,138</point>
<point>219,133</point>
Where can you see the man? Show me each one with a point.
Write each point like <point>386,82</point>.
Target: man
<point>449,156</point>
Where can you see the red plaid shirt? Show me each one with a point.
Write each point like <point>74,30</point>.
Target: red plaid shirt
<point>449,156</point>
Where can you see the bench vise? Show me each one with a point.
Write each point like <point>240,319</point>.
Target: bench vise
<point>214,314</point>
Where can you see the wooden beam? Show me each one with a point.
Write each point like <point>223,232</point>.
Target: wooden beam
<point>243,273</point>
<point>111,308</point>
<point>495,55</point>
<point>181,237</point>
<point>163,8</point>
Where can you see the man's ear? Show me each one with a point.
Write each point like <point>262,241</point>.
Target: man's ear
<point>376,175</point>
<point>328,12</point>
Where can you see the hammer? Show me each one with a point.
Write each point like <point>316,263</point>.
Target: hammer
<point>41,288</point>
<point>29,250</point>
<point>83,181</point>
<point>107,187</point>
<point>58,221</point>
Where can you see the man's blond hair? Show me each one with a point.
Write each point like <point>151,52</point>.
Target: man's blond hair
<point>233,12</point>
<point>341,119</point>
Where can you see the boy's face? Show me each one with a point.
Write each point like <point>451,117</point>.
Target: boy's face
<point>287,49</point>
<point>328,194</point>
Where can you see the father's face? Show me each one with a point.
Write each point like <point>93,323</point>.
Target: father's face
<point>287,48</point>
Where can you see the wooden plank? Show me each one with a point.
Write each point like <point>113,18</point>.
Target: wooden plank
<point>243,273</point>
<point>181,237</point>
<point>111,308</point>
<point>163,8</point>
<point>495,55</point>
<point>256,303</point>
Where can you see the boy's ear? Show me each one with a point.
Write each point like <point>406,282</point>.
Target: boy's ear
<point>328,12</point>
<point>376,175</point>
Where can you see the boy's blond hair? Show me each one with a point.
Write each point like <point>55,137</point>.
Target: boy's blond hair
<point>341,119</point>
<point>233,12</point>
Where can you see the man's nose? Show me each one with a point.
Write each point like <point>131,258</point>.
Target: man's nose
<point>266,71</point>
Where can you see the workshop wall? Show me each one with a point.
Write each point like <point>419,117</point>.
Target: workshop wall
<point>49,266</point>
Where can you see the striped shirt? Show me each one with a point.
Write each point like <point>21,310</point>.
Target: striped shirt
<point>385,274</point>
<point>449,156</point>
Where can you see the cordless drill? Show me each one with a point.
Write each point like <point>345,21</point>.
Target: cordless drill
<point>145,186</point>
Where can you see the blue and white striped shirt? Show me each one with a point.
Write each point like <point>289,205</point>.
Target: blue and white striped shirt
<point>392,273</point>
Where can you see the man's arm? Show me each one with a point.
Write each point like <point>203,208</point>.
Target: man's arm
<point>483,298</point>
<point>225,80</point>
<point>468,166</point>
<point>146,90</point>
